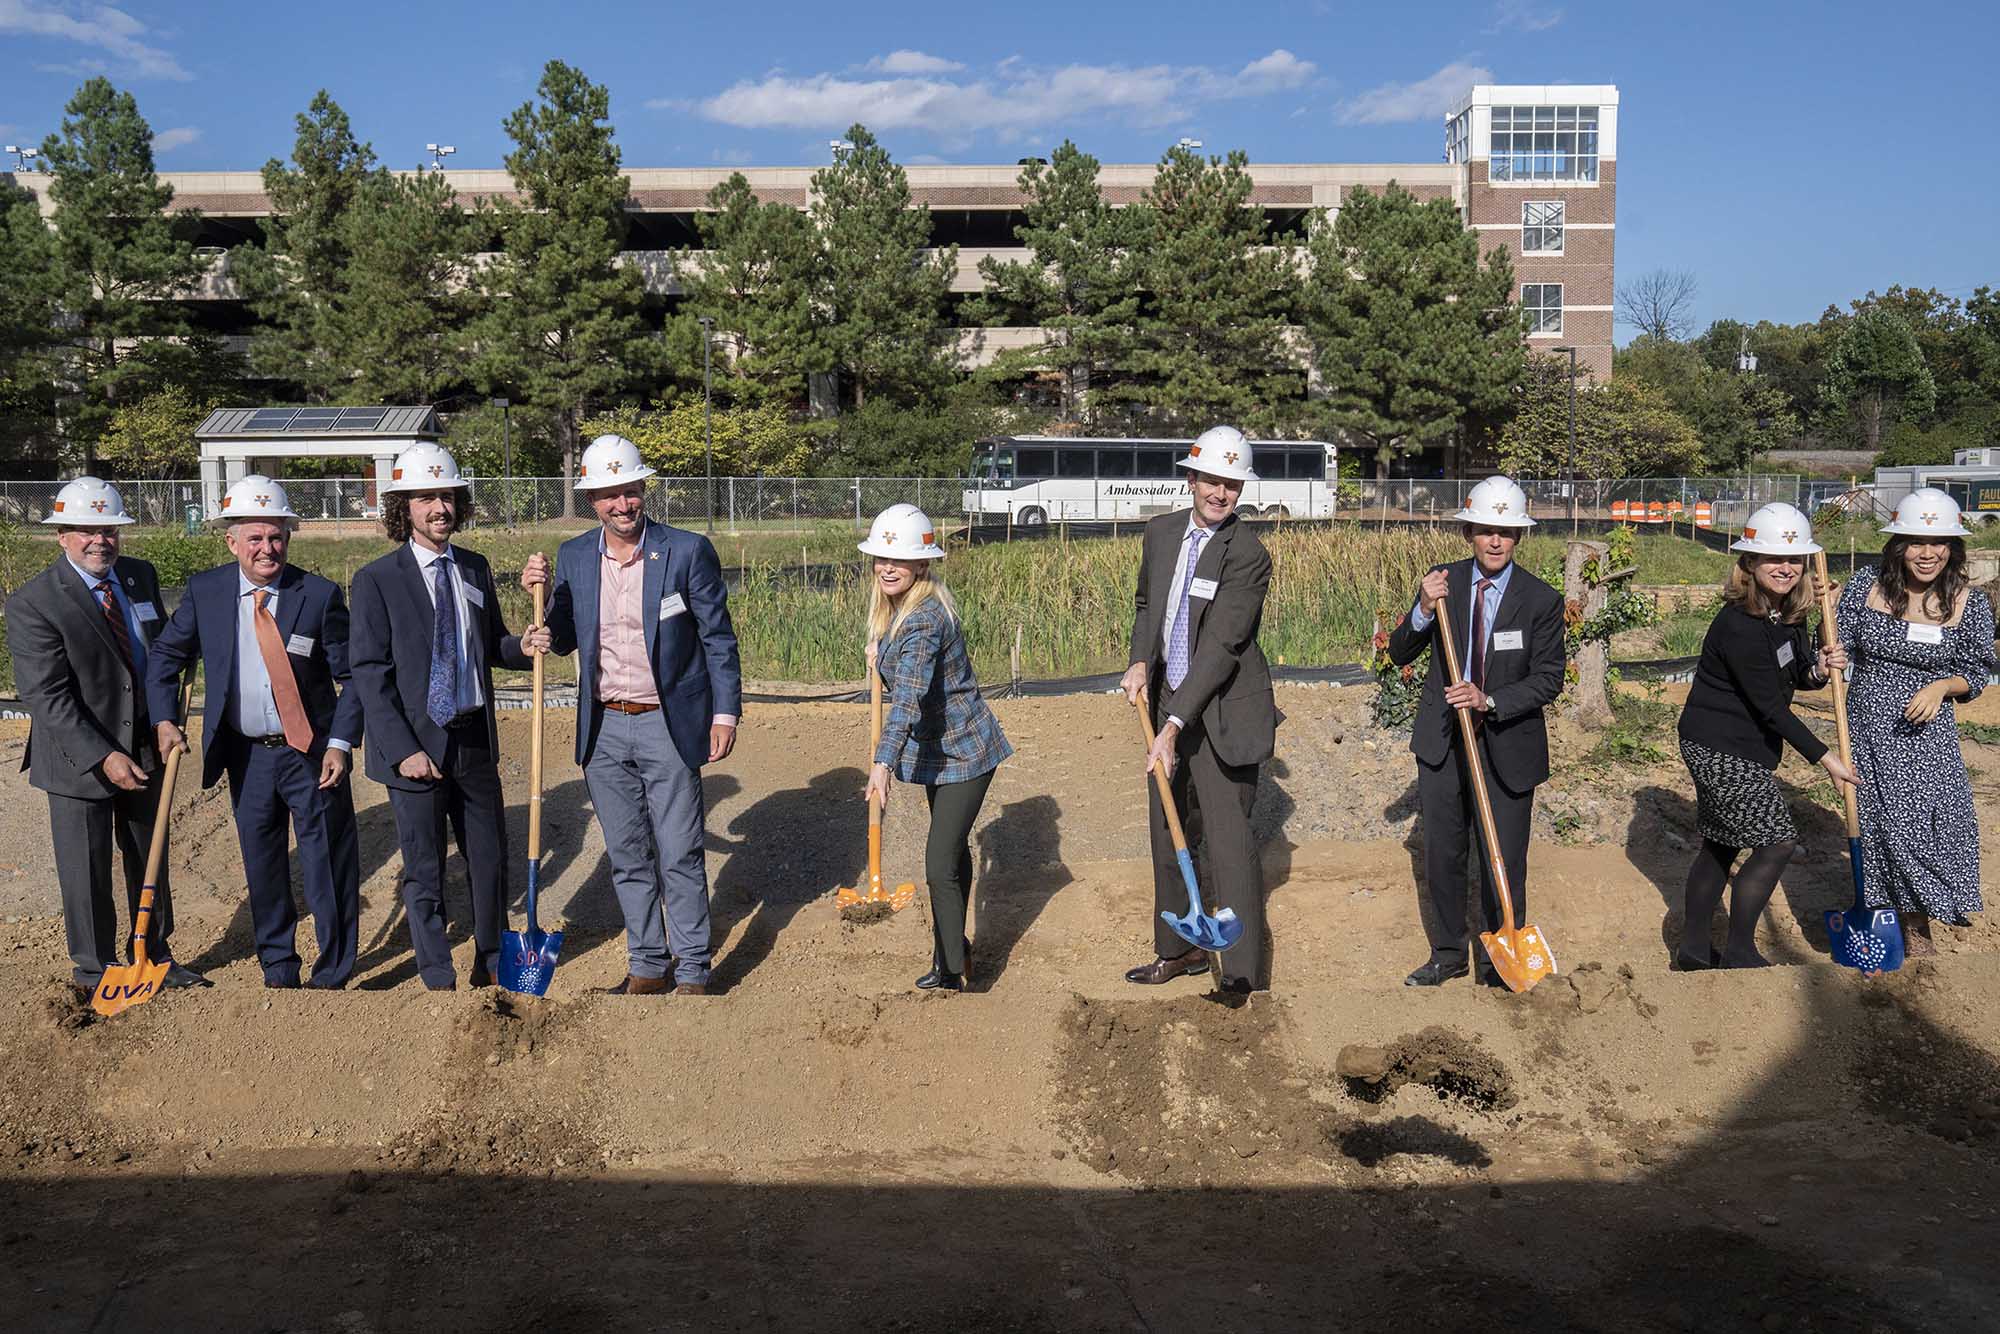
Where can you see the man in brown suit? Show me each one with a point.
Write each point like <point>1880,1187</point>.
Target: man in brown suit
<point>1200,600</point>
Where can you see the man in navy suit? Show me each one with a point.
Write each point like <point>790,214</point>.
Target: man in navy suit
<point>427,633</point>
<point>272,640</point>
<point>659,692</point>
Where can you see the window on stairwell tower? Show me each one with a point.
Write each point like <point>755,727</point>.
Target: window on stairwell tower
<point>1543,144</point>
<point>1542,307</point>
<point>1542,227</point>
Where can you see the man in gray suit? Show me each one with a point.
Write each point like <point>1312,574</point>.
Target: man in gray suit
<point>79,632</point>
<point>1200,600</point>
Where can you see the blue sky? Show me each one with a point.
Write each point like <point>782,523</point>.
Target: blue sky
<point>1789,155</point>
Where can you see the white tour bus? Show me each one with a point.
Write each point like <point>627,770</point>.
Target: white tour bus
<point>1047,478</point>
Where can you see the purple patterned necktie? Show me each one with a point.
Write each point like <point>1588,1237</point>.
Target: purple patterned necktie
<point>441,703</point>
<point>1478,676</point>
<point>1177,640</point>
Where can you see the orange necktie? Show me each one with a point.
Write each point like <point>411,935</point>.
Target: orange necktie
<point>278,666</point>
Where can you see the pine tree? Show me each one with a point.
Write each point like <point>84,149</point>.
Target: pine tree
<point>1081,286</point>
<point>28,315</point>
<point>562,327</point>
<point>118,260</point>
<point>1212,343</point>
<point>398,324</point>
<point>754,277</point>
<point>880,302</point>
<point>295,280</point>
<point>1413,338</point>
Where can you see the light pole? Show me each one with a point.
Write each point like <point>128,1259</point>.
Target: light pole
<point>507,453</point>
<point>1569,465</point>
<point>839,147</point>
<point>707,324</point>
<point>23,157</point>
<point>1189,144</point>
<point>439,152</point>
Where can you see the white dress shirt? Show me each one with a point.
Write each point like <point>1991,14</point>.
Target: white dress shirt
<point>253,709</point>
<point>471,647</point>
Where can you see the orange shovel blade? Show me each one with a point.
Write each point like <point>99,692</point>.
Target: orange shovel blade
<point>126,986</point>
<point>1521,957</point>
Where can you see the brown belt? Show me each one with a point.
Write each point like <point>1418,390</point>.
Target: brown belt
<point>627,706</point>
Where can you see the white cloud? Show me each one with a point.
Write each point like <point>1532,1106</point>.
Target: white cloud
<point>913,62</point>
<point>1016,97</point>
<point>110,30</point>
<point>1521,15</point>
<point>1392,103</point>
<point>166,141</point>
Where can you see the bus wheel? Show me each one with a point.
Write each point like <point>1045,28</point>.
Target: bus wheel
<point>1278,512</point>
<point>1032,517</point>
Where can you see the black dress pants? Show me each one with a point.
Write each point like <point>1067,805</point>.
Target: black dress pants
<point>468,799</point>
<point>1451,821</point>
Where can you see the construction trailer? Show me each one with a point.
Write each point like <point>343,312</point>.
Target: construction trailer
<point>1972,479</point>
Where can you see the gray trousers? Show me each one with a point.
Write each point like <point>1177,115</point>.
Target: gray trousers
<point>87,833</point>
<point>649,803</point>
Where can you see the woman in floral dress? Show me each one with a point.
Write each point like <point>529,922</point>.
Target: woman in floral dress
<point>1920,638</point>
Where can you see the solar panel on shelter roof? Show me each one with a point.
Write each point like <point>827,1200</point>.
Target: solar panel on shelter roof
<point>314,419</point>
<point>360,419</point>
<point>270,419</point>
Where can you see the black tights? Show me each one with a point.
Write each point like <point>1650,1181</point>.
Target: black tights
<point>1754,884</point>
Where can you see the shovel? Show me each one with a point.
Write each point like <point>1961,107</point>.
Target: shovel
<point>905,892</point>
<point>1870,939</point>
<point>1209,931</point>
<point>528,958</point>
<point>139,981</point>
<point>1519,954</point>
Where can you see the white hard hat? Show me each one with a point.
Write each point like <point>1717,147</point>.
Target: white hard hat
<point>610,460</point>
<point>88,502</point>
<point>902,532</point>
<point>256,497</point>
<point>1777,529</point>
<point>1928,512</point>
<point>1220,451</point>
<point>1496,501</point>
<point>424,467</point>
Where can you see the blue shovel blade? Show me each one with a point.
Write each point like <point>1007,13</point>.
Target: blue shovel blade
<point>1202,931</point>
<point>528,960</point>
<point>1871,940</point>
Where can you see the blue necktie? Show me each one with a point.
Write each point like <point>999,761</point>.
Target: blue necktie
<point>1177,641</point>
<point>442,701</point>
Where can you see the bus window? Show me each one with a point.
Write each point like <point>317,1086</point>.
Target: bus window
<point>981,468</point>
<point>1268,464</point>
<point>1306,464</point>
<point>1076,463</point>
<point>1114,462</point>
<point>1156,463</point>
<point>1034,463</point>
<point>1003,466</point>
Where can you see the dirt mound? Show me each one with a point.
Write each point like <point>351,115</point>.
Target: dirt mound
<point>47,1113</point>
<point>1450,1065</point>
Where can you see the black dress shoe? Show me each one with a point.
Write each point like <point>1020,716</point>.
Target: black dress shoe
<point>179,975</point>
<point>441,986</point>
<point>1192,964</point>
<point>1682,963</point>
<point>1435,974</point>
<point>1234,986</point>
<point>281,984</point>
<point>937,979</point>
<point>480,977</point>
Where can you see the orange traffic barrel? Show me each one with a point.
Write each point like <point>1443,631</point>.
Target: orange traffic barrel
<point>1617,511</point>
<point>1704,516</point>
<point>1675,508</point>
<point>1656,513</point>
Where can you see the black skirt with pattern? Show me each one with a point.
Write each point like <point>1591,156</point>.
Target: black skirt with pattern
<point>1738,802</point>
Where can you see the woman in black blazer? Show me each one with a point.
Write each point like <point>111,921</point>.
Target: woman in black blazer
<point>1734,728</point>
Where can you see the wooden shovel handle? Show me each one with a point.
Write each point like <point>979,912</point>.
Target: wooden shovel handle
<point>1160,778</point>
<point>1470,735</point>
<point>1829,633</point>
<point>535,740</point>
<point>156,853</point>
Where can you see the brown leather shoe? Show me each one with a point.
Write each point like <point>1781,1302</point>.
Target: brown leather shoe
<point>691,989</point>
<point>637,986</point>
<point>1191,964</point>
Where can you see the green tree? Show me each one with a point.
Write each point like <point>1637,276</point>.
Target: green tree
<point>1738,416</point>
<point>1413,338</point>
<point>28,318</point>
<point>1791,359</point>
<point>1080,286</point>
<point>297,278</point>
<point>750,440</point>
<point>1212,342</point>
<point>118,260</point>
<point>754,278</point>
<point>562,327</point>
<point>1877,374</point>
<point>1623,429</point>
<point>154,436</point>
<point>880,299</point>
<point>399,321</point>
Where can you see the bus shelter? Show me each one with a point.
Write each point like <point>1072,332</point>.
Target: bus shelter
<point>236,442</point>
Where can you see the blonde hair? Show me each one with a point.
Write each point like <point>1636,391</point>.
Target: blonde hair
<point>886,616</point>
<point>1744,591</point>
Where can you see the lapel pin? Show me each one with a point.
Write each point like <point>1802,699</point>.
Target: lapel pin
<point>652,555</point>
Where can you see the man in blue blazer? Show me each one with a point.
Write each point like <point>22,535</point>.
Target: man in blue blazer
<point>659,692</point>
<point>427,634</point>
<point>272,640</point>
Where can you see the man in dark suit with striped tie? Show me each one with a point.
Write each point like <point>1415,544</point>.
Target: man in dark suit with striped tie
<point>426,635</point>
<point>78,632</point>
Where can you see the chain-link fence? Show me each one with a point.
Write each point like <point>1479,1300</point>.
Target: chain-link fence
<point>330,505</point>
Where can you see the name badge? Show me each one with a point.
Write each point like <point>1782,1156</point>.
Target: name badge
<point>300,644</point>
<point>1201,588</point>
<point>673,604</point>
<point>1925,634</point>
<point>145,611</point>
<point>1506,639</point>
<point>474,596</point>
<point>1785,654</point>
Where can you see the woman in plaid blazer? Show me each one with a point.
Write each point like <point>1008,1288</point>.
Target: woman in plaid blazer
<point>939,732</point>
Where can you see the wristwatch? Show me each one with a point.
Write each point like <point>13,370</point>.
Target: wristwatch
<point>1485,702</point>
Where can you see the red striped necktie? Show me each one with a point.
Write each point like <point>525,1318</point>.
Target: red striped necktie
<point>114,616</point>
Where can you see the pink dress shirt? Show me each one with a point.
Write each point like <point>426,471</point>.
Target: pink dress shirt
<point>623,672</point>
